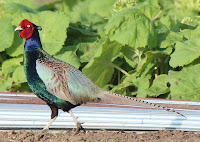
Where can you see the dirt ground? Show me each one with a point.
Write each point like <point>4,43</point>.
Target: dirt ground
<point>98,136</point>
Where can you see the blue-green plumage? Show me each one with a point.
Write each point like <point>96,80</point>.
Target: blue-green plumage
<point>35,82</point>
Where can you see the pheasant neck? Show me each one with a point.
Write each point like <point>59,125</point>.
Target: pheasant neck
<point>33,42</point>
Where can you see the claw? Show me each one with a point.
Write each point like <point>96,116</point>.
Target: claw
<point>78,125</point>
<point>44,130</point>
<point>78,128</point>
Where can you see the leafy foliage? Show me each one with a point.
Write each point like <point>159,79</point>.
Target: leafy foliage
<point>143,48</point>
<point>159,86</point>
<point>100,69</point>
<point>6,35</point>
<point>185,52</point>
<point>185,84</point>
<point>128,28</point>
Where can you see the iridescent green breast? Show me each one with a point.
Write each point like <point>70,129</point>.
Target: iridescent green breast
<point>37,85</point>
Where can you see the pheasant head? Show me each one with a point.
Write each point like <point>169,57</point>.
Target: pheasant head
<point>26,29</point>
<point>29,31</point>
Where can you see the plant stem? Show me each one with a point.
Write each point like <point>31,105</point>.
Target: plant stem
<point>118,72</point>
<point>156,16</point>
<point>137,52</point>
<point>120,69</point>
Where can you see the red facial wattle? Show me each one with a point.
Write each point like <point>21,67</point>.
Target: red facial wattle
<point>27,27</point>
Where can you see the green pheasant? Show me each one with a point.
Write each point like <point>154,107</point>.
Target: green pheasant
<point>59,84</point>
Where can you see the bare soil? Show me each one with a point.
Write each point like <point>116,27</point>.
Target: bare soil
<point>98,136</point>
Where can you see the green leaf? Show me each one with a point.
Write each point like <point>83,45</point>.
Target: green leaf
<point>19,75</point>
<point>120,5</point>
<point>53,35</point>
<point>188,33</point>
<point>17,48</point>
<point>169,21</point>
<point>100,69</point>
<point>149,7</point>
<point>7,33</point>
<point>127,81</point>
<point>159,86</point>
<point>130,56</point>
<point>103,8</point>
<point>131,27</point>
<point>149,68</point>
<point>69,57</point>
<point>67,6</point>
<point>5,85</point>
<point>150,60</point>
<point>79,33</point>
<point>25,2</point>
<point>143,85</point>
<point>185,52</point>
<point>24,88</point>
<point>81,12</point>
<point>10,65</point>
<point>171,39</point>
<point>89,50</point>
<point>80,29</point>
<point>185,84</point>
<point>17,8</point>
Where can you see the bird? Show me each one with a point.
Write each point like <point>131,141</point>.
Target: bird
<point>59,84</point>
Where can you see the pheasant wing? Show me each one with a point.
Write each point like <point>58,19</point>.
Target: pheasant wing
<point>55,79</point>
<point>66,82</point>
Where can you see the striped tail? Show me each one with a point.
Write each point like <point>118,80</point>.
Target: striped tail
<point>114,98</point>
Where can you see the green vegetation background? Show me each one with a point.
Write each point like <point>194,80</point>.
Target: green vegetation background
<point>142,48</point>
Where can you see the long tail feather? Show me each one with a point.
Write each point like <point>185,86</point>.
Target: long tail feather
<point>109,97</point>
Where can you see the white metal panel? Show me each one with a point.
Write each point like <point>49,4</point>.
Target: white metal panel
<point>36,116</point>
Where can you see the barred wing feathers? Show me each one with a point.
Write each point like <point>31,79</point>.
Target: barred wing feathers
<point>66,82</point>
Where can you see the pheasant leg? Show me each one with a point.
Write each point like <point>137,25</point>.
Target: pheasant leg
<point>54,114</point>
<point>78,125</point>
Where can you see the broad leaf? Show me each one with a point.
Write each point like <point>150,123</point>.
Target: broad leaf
<point>185,52</point>
<point>103,8</point>
<point>24,88</point>
<point>17,48</point>
<point>89,50</point>
<point>78,33</point>
<point>150,60</point>
<point>19,75</point>
<point>7,34</point>
<point>171,39</point>
<point>100,68</point>
<point>185,84</point>
<point>143,85</point>
<point>130,55</point>
<point>81,12</point>
<point>131,27</point>
<point>10,65</point>
<point>67,5</point>
<point>191,33</point>
<point>53,35</point>
<point>69,57</point>
<point>17,8</point>
<point>24,2</point>
<point>159,86</point>
<point>127,81</point>
<point>149,7</point>
<point>5,85</point>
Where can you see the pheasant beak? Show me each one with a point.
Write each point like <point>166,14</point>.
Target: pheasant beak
<point>19,29</point>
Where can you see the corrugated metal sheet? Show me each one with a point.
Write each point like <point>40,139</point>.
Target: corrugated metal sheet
<point>105,117</point>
